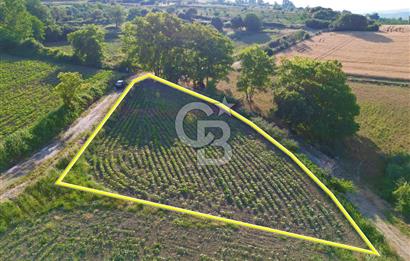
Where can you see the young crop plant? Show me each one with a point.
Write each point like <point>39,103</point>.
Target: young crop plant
<point>139,156</point>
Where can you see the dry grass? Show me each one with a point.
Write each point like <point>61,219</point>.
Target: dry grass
<point>263,102</point>
<point>375,54</point>
<point>385,115</point>
<point>384,118</point>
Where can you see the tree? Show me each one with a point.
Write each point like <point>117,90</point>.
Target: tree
<point>174,49</point>
<point>237,22</point>
<point>37,9</point>
<point>352,22</point>
<point>209,54</point>
<point>257,70</point>
<point>88,44</point>
<point>374,16</point>
<point>117,15</point>
<point>217,23</point>
<point>150,42</point>
<point>402,196</point>
<point>69,87</point>
<point>132,13</point>
<point>287,5</point>
<point>17,24</point>
<point>252,23</point>
<point>314,99</point>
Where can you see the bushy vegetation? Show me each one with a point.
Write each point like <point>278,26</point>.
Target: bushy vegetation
<point>326,18</point>
<point>353,22</point>
<point>286,41</point>
<point>87,44</point>
<point>252,23</point>
<point>314,99</point>
<point>17,24</point>
<point>176,50</point>
<point>256,72</point>
<point>396,183</point>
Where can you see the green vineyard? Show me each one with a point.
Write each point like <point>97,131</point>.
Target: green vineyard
<point>27,91</point>
<point>139,154</point>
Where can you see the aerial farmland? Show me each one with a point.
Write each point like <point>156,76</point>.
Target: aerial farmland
<point>203,130</point>
<point>383,54</point>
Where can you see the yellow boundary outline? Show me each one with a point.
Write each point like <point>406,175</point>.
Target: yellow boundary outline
<point>60,182</point>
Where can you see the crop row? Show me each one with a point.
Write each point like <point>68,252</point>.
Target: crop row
<point>139,154</point>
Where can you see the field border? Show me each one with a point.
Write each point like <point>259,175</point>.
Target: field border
<point>59,182</point>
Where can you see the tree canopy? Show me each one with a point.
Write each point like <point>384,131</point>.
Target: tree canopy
<point>353,22</point>
<point>68,88</point>
<point>88,44</point>
<point>117,15</point>
<point>257,71</point>
<point>175,49</point>
<point>217,23</point>
<point>17,24</point>
<point>237,22</point>
<point>314,99</point>
<point>252,23</point>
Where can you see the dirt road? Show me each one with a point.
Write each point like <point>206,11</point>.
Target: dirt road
<point>85,123</point>
<point>368,203</point>
<point>374,208</point>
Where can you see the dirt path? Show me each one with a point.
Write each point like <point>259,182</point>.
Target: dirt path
<point>368,203</point>
<point>85,123</point>
<point>372,207</point>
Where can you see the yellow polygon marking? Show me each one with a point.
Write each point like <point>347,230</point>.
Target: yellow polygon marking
<point>60,181</point>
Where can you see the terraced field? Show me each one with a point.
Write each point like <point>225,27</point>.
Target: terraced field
<point>26,88</point>
<point>139,154</point>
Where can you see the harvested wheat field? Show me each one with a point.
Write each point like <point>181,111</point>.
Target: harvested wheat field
<point>375,54</point>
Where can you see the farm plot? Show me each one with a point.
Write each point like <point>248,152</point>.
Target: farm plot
<point>138,154</point>
<point>375,54</point>
<point>143,234</point>
<point>384,115</point>
<point>26,88</point>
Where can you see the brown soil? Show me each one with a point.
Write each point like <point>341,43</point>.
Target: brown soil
<point>374,54</point>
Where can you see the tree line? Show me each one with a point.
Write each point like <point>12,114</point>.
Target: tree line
<point>322,108</point>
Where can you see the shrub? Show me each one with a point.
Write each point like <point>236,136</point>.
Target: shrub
<point>317,24</point>
<point>402,196</point>
<point>315,100</point>
<point>217,23</point>
<point>252,23</point>
<point>352,22</point>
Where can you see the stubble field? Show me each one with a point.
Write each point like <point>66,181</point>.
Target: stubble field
<point>384,54</point>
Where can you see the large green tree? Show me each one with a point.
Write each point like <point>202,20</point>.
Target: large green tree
<point>175,49</point>
<point>237,22</point>
<point>17,24</point>
<point>117,14</point>
<point>88,44</point>
<point>69,88</point>
<point>252,23</point>
<point>256,71</point>
<point>315,100</point>
<point>209,53</point>
<point>151,42</point>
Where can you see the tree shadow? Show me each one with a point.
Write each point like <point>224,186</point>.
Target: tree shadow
<point>376,37</point>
